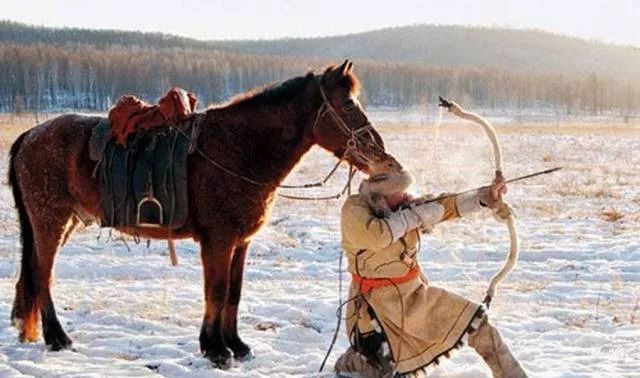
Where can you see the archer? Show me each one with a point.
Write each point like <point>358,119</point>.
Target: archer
<point>381,229</point>
<point>397,323</point>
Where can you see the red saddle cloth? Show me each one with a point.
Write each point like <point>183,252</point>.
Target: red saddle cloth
<point>130,114</point>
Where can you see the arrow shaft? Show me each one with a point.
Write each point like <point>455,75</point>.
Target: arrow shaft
<point>520,178</point>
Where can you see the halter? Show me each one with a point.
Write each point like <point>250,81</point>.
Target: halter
<point>355,141</point>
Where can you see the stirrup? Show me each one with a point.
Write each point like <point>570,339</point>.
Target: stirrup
<point>149,199</point>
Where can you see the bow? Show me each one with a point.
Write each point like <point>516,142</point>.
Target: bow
<point>505,213</point>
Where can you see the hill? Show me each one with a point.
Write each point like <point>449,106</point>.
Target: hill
<point>69,68</point>
<point>456,46</point>
<point>529,51</point>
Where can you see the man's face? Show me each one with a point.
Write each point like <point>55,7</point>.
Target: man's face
<point>396,199</point>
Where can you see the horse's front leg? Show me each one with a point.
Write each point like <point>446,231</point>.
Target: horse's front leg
<point>241,351</point>
<point>216,254</point>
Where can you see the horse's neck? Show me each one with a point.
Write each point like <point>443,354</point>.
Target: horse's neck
<point>272,140</point>
<point>284,147</point>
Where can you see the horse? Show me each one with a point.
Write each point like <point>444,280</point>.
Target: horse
<point>245,149</point>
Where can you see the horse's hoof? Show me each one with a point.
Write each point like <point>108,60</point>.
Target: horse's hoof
<point>220,360</point>
<point>60,342</point>
<point>25,337</point>
<point>243,356</point>
<point>17,322</point>
<point>241,351</point>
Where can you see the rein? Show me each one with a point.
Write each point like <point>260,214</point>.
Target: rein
<point>345,189</point>
<point>352,149</point>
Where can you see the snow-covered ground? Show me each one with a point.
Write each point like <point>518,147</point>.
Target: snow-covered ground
<point>571,308</point>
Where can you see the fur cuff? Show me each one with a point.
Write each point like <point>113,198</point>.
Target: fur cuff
<point>468,203</point>
<point>401,222</point>
<point>429,213</point>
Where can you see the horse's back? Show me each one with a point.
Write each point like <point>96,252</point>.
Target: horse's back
<point>54,155</point>
<point>74,126</point>
<point>56,138</point>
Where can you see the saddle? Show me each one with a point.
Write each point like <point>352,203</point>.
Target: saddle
<point>132,114</point>
<point>142,162</point>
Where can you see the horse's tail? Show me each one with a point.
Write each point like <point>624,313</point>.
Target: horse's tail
<point>27,292</point>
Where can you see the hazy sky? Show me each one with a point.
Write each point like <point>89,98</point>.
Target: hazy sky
<point>608,20</point>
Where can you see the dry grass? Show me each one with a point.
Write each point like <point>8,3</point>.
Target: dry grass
<point>530,286</point>
<point>547,158</point>
<point>265,326</point>
<point>11,126</point>
<point>545,209</point>
<point>127,357</point>
<point>591,129</point>
<point>611,215</point>
<point>587,190</point>
<point>578,320</point>
<point>633,317</point>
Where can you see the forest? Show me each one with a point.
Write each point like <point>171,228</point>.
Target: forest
<point>46,69</point>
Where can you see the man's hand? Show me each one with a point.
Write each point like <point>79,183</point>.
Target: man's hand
<point>491,195</point>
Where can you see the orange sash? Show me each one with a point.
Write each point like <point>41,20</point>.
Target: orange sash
<point>368,284</point>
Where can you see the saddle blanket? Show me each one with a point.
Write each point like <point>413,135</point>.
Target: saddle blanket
<point>143,183</point>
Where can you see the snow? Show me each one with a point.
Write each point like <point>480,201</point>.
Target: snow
<point>570,309</point>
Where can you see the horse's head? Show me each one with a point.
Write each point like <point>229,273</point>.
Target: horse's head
<point>341,125</point>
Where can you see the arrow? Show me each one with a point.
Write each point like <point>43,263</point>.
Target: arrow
<point>545,172</point>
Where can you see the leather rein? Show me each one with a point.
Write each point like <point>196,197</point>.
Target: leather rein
<point>352,148</point>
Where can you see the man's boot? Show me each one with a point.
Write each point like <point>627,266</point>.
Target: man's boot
<point>355,365</point>
<point>486,340</point>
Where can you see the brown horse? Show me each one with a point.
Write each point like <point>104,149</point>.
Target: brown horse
<point>257,138</point>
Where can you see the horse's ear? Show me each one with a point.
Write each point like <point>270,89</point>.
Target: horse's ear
<point>344,68</point>
<point>349,68</point>
<point>336,74</point>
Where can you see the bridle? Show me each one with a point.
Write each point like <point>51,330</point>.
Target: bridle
<point>355,141</point>
<point>352,148</point>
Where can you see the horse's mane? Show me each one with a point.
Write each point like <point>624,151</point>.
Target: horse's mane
<point>274,93</point>
<point>288,90</point>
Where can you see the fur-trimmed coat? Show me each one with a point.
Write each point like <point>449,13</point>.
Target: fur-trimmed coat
<point>420,322</point>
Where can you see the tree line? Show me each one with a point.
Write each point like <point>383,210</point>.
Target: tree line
<point>49,77</point>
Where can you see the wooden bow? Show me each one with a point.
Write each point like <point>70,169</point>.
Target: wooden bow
<point>507,214</point>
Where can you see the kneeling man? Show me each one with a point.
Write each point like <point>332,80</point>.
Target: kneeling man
<point>397,323</point>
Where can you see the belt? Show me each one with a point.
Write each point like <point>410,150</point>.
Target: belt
<point>368,284</point>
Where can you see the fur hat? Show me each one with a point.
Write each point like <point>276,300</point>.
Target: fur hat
<point>387,183</point>
<point>389,179</point>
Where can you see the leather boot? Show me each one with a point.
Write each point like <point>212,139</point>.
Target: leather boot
<point>486,340</point>
<point>354,365</point>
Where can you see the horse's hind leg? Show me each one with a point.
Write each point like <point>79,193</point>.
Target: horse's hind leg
<point>33,293</point>
<point>50,233</point>
<point>48,244</point>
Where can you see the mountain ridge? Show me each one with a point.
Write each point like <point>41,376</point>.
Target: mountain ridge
<point>522,50</point>
<point>60,68</point>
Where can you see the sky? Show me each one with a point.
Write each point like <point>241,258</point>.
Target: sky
<point>615,21</point>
